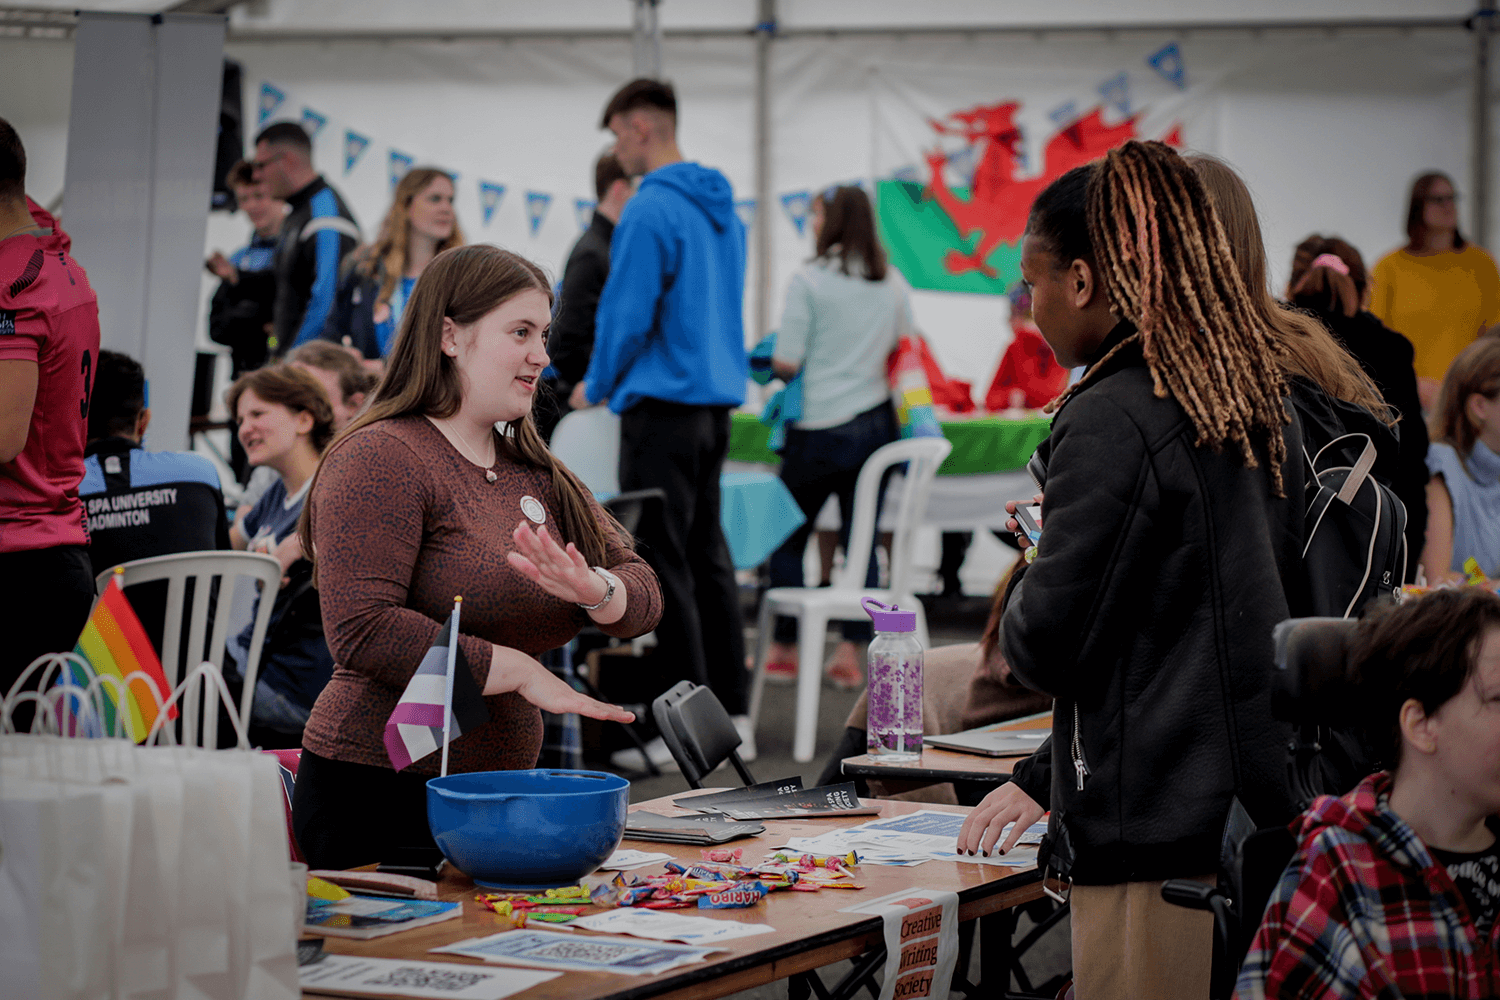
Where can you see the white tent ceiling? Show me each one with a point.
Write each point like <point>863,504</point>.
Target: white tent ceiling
<point>405,17</point>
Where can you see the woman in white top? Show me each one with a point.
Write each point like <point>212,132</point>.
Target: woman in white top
<point>845,311</point>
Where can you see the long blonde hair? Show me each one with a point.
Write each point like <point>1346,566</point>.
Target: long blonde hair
<point>463,284</point>
<point>387,255</point>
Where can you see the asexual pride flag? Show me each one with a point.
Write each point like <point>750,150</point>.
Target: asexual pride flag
<point>415,728</point>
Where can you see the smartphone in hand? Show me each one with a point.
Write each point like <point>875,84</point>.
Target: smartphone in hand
<point>1029,519</point>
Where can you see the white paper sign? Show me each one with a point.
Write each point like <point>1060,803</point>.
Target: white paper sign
<point>661,926</point>
<point>921,941</point>
<point>353,974</point>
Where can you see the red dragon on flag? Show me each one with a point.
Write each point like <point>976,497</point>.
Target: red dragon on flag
<point>919,222</point>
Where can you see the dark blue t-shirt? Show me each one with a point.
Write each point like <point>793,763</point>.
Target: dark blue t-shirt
<point>295,659</point>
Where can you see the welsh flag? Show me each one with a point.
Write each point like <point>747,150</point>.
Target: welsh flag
<point>956,238</point>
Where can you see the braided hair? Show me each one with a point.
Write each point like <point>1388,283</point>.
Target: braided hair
<point>1167,267</point>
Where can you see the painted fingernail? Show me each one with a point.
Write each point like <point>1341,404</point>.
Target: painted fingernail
<point>1002,850</point>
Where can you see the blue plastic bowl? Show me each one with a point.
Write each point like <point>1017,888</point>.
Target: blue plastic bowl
<point>527,829</point>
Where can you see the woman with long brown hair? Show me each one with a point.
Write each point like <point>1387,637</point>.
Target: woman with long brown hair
<point>415,503</point>
<point>845,311</point>
<point>1440,290</point>
<point>378,279</point>
<point>1329,281</point>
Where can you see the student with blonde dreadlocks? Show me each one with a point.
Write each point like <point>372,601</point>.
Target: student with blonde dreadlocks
<point>1171,517</point>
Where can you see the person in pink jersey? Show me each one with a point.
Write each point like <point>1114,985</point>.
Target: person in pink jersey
<point>49,341</point>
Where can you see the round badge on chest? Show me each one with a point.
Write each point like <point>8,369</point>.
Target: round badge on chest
<point>532,508</point>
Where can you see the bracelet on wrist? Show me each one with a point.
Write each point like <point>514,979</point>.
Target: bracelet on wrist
<point>611,582</point>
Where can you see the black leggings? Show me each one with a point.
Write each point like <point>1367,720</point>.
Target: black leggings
<point>345,815</point>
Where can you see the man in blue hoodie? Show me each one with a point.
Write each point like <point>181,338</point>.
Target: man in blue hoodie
<point>669,357</point>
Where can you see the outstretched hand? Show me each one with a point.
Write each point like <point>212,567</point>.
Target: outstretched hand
<point>513,670</point>
<point>561,572</point>
<point>551,693</point>
<point>983,826</point>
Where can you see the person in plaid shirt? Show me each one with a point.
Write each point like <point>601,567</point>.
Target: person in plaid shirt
<point>1394,889</point>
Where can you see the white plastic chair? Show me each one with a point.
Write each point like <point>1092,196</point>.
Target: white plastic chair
<point>588,442</point>
<point>203,567</point>
<point>815,607</point>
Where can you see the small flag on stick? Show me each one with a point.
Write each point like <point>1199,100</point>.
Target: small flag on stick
<point>114,643</point>
<point>422,721</point>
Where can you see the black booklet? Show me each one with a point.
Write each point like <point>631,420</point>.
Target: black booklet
<point>707,829</point>
<point>710,800</point>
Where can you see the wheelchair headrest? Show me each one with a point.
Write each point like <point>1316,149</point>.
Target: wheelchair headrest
<point>1310,683</point>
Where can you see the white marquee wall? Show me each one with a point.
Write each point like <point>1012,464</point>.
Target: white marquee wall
<point>1328,127</point>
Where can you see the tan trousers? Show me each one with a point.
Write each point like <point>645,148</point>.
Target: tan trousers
<point>1129,944</point>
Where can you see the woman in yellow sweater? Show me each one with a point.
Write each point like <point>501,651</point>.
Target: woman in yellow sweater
<point>1439,289</point>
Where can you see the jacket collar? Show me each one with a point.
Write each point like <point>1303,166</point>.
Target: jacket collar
<point>299,198</point>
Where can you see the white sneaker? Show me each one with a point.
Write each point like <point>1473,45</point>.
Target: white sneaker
<point>629,759</point>
<point>746,729</point>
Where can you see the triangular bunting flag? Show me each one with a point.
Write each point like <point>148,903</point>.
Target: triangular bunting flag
<point>354,148</point>
<point>1116,93</point>
<point>271,98</point>
<point>415,728</point>
<point>399,164</point>
<point>489,199</point>
<point>537,203</point>
<point>745,209</point>
<point>1168,62</point>
<point>1063,114</point>
<point>1173,137</point>
<point>312,123</point>
<point>797,204</point>
<point>583,208</point>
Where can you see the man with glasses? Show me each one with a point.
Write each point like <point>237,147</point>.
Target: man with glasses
<point>318,231</point>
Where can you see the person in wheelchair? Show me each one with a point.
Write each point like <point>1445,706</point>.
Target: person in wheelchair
<point>1394,889</point>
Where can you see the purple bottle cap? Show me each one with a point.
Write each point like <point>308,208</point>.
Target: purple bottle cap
<point>889,617</point>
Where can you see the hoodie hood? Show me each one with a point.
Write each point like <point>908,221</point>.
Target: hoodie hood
<point>703,186</point>
<point>1366,812</point>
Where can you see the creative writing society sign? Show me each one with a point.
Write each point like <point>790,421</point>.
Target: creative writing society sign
<point>921,941</point>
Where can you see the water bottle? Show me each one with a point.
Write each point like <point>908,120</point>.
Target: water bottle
<point>895,686</point>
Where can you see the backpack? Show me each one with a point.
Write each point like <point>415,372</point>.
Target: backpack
<point>1355,530</point>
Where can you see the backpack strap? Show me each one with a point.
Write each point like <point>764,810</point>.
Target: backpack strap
<point>1360,472</point>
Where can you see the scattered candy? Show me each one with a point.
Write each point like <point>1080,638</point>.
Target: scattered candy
<point>737,897</point>
<point>726,854</point>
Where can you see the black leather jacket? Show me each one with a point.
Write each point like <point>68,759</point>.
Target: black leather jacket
<point>1147,615</point>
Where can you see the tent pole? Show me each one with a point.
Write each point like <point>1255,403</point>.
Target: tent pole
<point>1483,24</point>
<point>765,31</point>
<point>645,40</point>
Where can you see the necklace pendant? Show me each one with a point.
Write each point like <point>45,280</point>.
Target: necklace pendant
<point>490,475</point>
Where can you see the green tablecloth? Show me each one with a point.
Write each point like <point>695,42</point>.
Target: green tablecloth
<point>980,445</point>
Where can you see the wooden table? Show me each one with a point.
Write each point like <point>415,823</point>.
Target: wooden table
<point>810,931</point>
<point>934,766</point>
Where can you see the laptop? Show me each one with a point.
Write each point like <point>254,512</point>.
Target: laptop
<point>992,742</point>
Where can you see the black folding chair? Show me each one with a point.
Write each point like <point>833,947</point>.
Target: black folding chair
<point>699,732</point>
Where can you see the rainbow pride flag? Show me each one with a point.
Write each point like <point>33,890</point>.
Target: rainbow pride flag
<point>114,643</point>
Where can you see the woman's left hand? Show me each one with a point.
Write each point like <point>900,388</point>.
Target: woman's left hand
<point>560,572</point>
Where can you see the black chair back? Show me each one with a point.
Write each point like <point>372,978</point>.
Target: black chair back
<point>698,731</point>
<point>636,506</point>
<point>1310,689</point>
